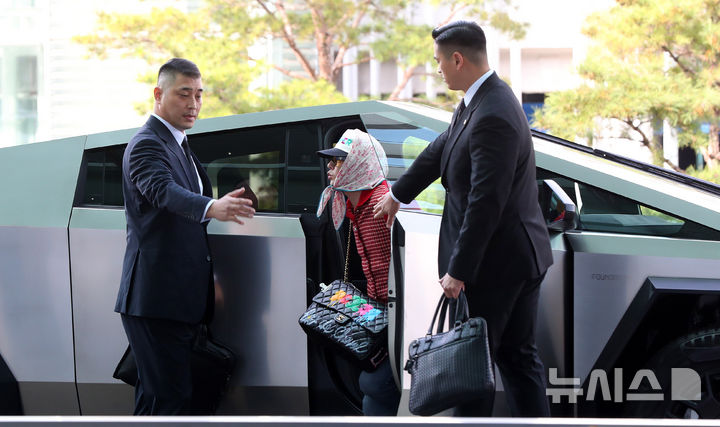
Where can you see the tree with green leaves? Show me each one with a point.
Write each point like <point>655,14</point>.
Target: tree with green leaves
<point>221,36</point>
<point>652,61</point>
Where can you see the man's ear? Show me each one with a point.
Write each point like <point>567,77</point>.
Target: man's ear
<point>157,93</point>
<point>458,59</point>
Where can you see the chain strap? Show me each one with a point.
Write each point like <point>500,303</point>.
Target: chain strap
<point>347,253</point>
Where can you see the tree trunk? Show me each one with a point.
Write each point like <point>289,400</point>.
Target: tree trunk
<point>402,83</point>
<point>656,144</point>
<point>323,44</point>
<point>712,156</point>
<point>289,37</point>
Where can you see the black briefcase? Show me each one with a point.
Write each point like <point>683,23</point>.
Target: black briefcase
<point>212,367</point>
<point>453,367</point>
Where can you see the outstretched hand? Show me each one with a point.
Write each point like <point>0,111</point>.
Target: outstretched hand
<point>387,208</point>
<point>231,206</point>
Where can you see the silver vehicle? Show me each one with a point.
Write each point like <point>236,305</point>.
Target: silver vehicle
<point>633,295</point>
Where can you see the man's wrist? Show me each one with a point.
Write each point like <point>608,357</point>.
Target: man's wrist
<point>455,275</point>
<point>207,208</point>
<point>393,196</point>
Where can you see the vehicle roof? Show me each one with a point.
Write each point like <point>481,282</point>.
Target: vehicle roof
<point>425,116</point>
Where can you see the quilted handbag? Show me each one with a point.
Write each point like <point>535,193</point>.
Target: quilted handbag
<point>453,367</point>
<point>342,317</point>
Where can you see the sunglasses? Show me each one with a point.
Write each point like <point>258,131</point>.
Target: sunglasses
<point>338,160</point>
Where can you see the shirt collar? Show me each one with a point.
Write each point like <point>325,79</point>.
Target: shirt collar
<point>475,86</point>
<point>176,133</point>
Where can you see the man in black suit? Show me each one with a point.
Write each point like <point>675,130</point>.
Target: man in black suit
<point>494,243</point>
<point>166,288</point>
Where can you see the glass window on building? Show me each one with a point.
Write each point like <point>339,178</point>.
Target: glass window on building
<point>26,98</point>
<point>19,77</point>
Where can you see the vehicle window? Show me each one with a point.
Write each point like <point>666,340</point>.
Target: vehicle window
<point>403,140</point>
<point>601,210</point>
<point>277,164</point>
<point>102,183</point>
<point>306,171</point>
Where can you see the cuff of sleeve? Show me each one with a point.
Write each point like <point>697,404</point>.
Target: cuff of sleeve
<point>455,274</point>
<point>204,218</point>
<point>393,196</point>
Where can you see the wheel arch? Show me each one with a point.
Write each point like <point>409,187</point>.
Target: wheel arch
<point>663,310</point>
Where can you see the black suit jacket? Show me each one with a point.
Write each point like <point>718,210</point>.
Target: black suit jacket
<point>167,269</point>
<point>492,227</point>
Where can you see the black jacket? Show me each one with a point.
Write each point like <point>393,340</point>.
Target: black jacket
<point>492,227</point>
<point>167,269</point>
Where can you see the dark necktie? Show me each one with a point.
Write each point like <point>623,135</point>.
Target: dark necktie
<point>190,165</point>
<point>458,112</point>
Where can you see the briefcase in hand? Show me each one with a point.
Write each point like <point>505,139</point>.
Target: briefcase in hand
<point>212,367</point>
<point>453,367</point>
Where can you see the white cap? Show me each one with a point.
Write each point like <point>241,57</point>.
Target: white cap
<point>342,147</point>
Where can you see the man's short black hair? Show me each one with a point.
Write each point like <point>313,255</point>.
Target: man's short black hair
<point>169,71</point>
<point>465,37</point>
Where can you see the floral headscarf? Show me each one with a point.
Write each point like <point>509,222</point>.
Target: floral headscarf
<point>364,168</point>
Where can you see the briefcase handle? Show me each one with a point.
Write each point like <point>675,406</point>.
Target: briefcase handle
<point>462,312</point>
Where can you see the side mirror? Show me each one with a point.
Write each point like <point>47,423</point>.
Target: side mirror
<point>558,208</point>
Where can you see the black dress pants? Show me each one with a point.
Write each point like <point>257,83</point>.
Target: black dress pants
<point>162,351</point>
<point>511,320</point>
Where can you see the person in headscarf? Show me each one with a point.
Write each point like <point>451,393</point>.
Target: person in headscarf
<point>356,171</point>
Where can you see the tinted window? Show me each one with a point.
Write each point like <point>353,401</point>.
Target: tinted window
<point>102,169</point>
<point>277,165</point>
<point>306,171</point>
<point>601,210</point>
<point>254,158</point>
